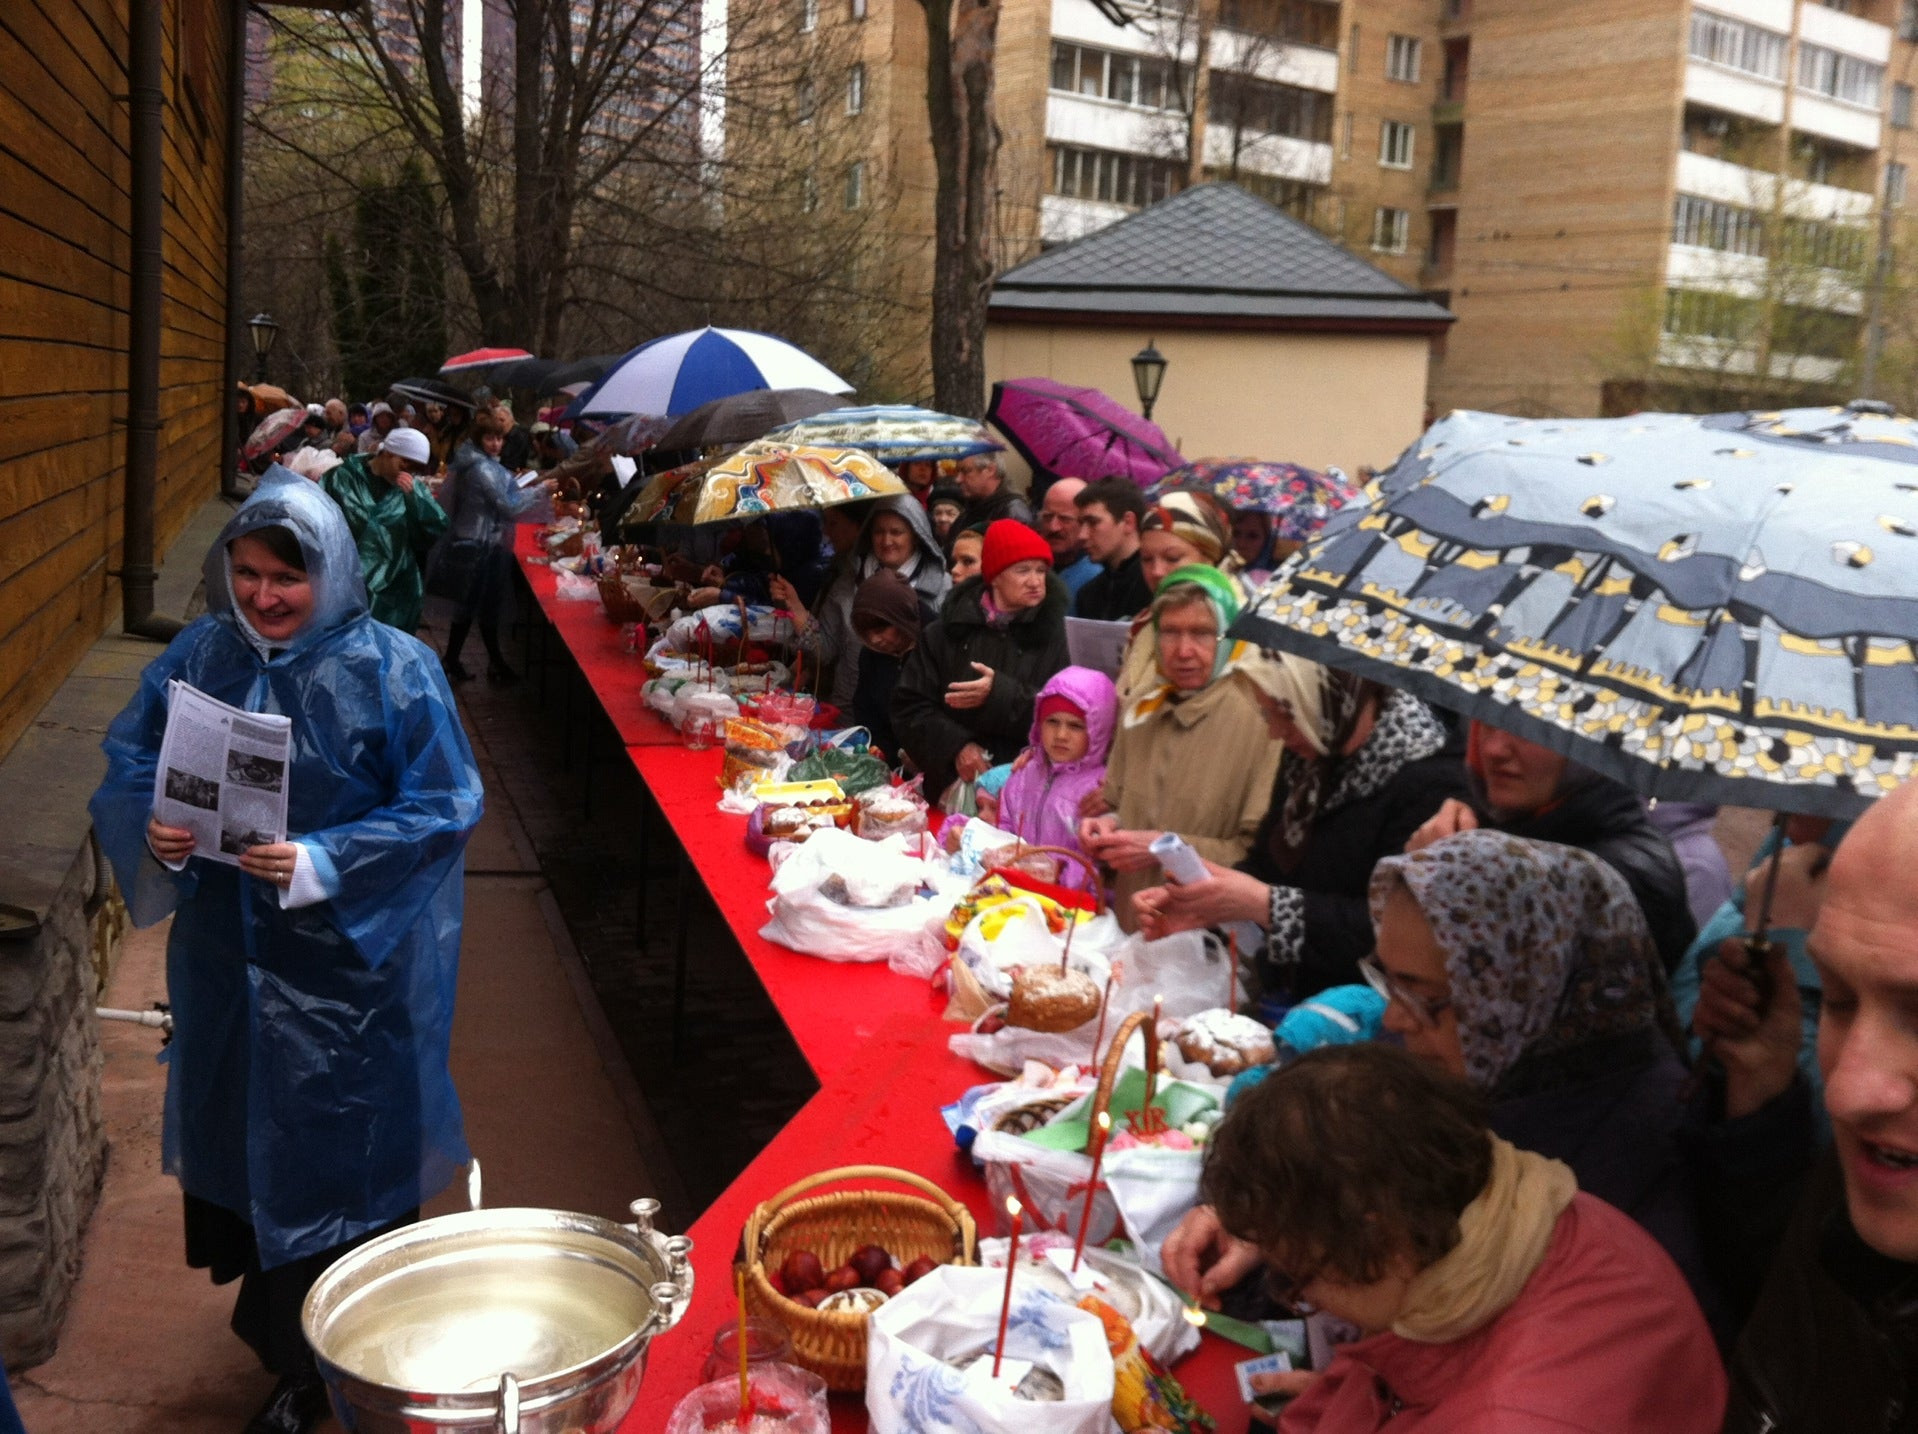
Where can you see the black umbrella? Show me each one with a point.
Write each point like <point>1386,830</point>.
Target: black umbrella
<point>434,390</point>
<point>742,417</point>
<point>544,376</point>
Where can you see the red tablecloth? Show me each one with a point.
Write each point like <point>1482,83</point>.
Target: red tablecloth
<point>614,674</point>
<point>831,1007</point>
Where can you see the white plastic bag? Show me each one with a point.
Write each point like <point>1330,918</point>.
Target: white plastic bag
<point>1153,1308</point>
<point>807,920</point>
<point>574,588</point>
<point>917,1338</point>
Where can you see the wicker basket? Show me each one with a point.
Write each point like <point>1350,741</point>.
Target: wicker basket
<point>621,604</point>
<point>833,1225</point>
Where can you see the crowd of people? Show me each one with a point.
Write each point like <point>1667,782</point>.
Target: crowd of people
<point>1608,1151</point>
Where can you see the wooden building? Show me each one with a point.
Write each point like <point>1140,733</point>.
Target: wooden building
<point>68,259</point>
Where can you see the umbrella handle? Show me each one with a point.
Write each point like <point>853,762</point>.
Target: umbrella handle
<point>1759,946</point>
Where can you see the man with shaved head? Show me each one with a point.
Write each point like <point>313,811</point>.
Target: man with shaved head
<point>1833,1342</point>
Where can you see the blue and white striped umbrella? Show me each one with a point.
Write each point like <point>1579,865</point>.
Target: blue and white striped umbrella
<point>676,374</point>
<point>891,432</point>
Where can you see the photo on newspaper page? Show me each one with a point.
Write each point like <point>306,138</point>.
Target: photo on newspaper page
<point>222,774</point>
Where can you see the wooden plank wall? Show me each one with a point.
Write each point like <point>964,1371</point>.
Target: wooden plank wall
<point>64,266</point>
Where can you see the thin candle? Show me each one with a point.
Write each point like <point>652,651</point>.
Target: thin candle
<point>1072,925</point>
<point>1103,1122</point>
<point>1014,1209</point>
<point>745,1374</point>
<point>1105,999</point>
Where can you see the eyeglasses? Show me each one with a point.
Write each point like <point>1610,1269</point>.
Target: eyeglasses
<point>1287,1289</point>
<point>1426,1010</point>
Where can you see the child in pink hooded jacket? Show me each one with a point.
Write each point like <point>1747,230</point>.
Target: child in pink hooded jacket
<point>1072,723</point>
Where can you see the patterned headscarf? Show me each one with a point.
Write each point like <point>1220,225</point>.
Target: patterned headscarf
<point>1198,518</point>
<point>1325,704</point>
<point>1545,945</point>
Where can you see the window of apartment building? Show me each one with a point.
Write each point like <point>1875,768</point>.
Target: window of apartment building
<point>1292,22</point>
<point>1908,20</point>
<point>1395,144</point>
<point>1246,103</point>
<point>856,90</point>
<point>1707,313</point>
<point>1390,230</point>
<point>1901,106</point>
<point>1135,180</point>
<point>1402,58</point>
<point>1106,74</point>
<point>805,101</point>
<point>856,184</point>
<point>1895,185</point>
<point>1346,127</point>
<point>1842,77</point>
<point>808,16</point>
<point>808,194</point>
<point>857,9</point>
<point>1707,224</point>
<point>1738,46</point>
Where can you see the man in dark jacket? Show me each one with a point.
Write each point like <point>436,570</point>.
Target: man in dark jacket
<point>965,697</point>
<point>1833,1344</point>
<point>988,499</point>
<point>1110,512</point>
<point>1533,792</point>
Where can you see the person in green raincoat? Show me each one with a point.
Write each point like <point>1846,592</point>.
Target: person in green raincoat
<point>394,520</point>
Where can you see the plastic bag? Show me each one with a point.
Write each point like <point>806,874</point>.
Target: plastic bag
<point>807,919</point>
<point>786,1399</point>
<point>1153,1309</point>
<point>918,1338</point>
<point>574,588</point>
<point>856,772</point>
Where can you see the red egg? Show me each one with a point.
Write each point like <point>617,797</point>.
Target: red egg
<point>869,1260</point>
<point>802,1271</point>
<point>920,1268</point>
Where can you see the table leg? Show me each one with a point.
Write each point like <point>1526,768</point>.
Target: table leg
<point>679,954</point>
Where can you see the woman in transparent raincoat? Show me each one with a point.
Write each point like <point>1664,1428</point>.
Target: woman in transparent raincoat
<point>309,1105</point>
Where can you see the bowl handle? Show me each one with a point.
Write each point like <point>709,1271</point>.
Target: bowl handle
<point>508,1404</point>
<point>473,1184</point>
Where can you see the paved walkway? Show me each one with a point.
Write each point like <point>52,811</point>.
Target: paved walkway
<point>550,1110</point>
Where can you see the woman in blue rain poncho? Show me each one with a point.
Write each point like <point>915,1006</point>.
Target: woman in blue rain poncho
<point>308,1105</point>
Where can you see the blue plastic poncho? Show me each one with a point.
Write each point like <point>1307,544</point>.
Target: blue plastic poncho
<point>308,1089</point>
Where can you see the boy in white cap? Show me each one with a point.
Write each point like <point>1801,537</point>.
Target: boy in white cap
<point>395,522</point>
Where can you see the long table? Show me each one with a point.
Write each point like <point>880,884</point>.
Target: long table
<point>874,1039</point>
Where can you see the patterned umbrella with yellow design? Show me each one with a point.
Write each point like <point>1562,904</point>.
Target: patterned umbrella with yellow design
<point>765,477</point>
<point>1717,609</point>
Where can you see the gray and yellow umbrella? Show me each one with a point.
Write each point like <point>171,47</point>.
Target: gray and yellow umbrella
<point>1717,609</point>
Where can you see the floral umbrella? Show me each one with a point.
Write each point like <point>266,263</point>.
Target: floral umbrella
<point>761,478</point>
<point>1299,500</point>
<point>893,432</point>
<point>1716,609</point>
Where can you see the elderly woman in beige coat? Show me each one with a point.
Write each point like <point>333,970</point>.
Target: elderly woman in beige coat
<point>1193,754</point>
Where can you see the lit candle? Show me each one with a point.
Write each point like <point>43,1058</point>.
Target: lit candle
<point>1104,1123</point>
<point>1152,1053</point>
<point>745,1379</point>
<point>1014,1209</point>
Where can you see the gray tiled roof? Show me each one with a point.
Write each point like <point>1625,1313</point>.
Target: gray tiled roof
<point>1211,250</point>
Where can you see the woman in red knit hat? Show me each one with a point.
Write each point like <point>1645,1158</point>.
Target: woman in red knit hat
<point>965,698</point>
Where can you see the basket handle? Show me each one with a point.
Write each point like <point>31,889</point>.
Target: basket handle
<point>961,1215</point>
<point>1109,1071</point>
<point>1089,883</point>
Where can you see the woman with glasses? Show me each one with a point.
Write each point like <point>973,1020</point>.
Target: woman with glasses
<point>1191,755</point>
<point>1525,970</point>
<point>1363,768</point>
<point>1490,1291</point>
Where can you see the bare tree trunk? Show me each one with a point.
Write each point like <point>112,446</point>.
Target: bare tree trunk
<point>1205,14</point>
<point>960,42</point>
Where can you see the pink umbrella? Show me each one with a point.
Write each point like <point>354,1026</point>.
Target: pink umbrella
<point>481,358</point>
<point>1079,432</point>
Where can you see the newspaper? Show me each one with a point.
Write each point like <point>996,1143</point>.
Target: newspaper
<point>1098,645</point>
<point>222,774</point>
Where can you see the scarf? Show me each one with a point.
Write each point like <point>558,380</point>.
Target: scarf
<point>1503,1236</point>
<point>1196,518</point>
<point>1546,948</point>
<point>1224,597</point>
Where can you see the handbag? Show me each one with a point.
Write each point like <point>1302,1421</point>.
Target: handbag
<point>456,567</point>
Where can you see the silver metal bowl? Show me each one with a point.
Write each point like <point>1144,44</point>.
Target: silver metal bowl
<point>520,1321</point>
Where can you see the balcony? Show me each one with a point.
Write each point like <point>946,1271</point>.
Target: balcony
<point>1847,34</point>
<point>1839,120</point>
<point>1305,66</point>
<point>1734,92</point>
<point>1274,155</point>
<point>1766,14</point>
<point>1729,183</point>
<point>1062,220</point>
<point>1695,351</point>
<point>1106,124</point>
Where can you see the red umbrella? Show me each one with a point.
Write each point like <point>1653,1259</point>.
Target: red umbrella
<point>481,358</point>
<point>1079,432</point>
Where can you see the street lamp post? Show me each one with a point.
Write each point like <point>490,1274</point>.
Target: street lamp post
<point>263,331</point>
<point>1148,372</point>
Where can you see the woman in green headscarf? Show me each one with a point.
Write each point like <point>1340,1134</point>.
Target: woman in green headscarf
<point>1192,755</point>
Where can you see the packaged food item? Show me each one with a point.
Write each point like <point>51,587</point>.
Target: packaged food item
<point>1145,1395</point>
<point>880,812</point>
<point>751,749</point>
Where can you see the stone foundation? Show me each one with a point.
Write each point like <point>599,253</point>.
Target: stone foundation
<point>53,1148</point>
